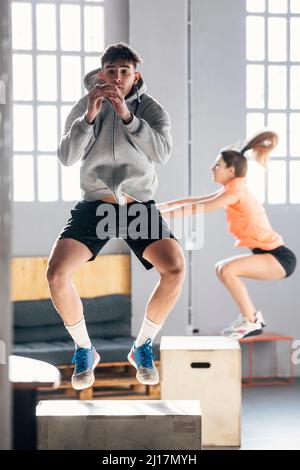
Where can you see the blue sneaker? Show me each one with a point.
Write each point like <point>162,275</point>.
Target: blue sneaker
<point>142,359</point>
<point>85,361</point>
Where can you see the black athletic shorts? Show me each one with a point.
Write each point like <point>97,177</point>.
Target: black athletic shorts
<point>284,256</point>
<point>138,223</point>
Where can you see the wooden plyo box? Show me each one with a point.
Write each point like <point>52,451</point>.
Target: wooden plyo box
<point>208,369</point>
<point>122,425</point>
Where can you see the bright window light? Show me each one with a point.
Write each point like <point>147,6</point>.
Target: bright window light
<point>70,30</point>
<point>256,6</point>
<point>294,182</point>
<point>277,182</point>
<point>93,29</point>
<point>48,66</point>
<point>295,39</point>
<point>294,135</point>
<point>273,93</point>
<point>46,27</point>
<point>22,77</point>
<point>255,86</point>
<point>254,121</point>
<point>91,63</point>
<point>295,87</point>
<point>277,86</point>
<point>22,127</point>
<point>47,128</point>
<point>71,78</point>
<point>256,176</point>
<point>70,182</point>
<point>47,178</point>
<point>277,6</point>
<point>46,78</point>
<point>255,38</point>
<point>295,6</point>
<point>22,26</point>
<point>23,178</point>
<point>277,46</point>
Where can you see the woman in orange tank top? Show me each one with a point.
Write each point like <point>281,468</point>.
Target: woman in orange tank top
<point>248,223</point>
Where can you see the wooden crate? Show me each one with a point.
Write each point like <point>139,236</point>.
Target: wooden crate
<point>208,369</point>
<point>122,424</point>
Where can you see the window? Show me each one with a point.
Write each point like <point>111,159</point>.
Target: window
<point>54,44</point>
<point>273,94</point>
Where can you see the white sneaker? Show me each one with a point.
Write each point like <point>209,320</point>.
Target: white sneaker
<point>240,319</point>
<point>244,329</point>
<point>260,318</point>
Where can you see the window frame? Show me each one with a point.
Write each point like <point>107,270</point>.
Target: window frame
<point>59,103</point>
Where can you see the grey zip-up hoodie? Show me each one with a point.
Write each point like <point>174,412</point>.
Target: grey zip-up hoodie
<point>116,158</point>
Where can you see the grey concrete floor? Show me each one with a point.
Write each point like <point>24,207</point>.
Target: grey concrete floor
<point>270,418</point>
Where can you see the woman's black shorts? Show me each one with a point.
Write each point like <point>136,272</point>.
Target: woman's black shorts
<point>95,223</point>
<point>284,256</point>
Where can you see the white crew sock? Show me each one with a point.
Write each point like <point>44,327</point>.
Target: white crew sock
<point>149,329</point>
<point>79,334</point>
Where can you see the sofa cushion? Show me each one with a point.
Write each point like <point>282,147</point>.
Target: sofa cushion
<point>37,313</point>
<point>59,333</point>
<point>61,352</point>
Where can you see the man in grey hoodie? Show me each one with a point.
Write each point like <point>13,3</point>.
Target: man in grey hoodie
<point>118,132</point>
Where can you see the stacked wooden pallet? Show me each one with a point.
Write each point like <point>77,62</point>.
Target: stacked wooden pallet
<point>113,380</point>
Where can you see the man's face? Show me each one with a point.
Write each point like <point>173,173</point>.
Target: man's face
<point>121,73</point>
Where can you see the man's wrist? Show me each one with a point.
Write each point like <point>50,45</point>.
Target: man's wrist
<point>128,118</point>
<point>88,119</point>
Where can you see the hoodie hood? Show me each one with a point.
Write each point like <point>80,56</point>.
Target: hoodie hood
<point>91,79</point>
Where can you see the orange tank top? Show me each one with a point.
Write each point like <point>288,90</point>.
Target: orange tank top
<point>247,219</point>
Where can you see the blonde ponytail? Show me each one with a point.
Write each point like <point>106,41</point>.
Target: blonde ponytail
<point>261,144</point>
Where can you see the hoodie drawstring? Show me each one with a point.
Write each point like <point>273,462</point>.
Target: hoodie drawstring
<point>137,97</point>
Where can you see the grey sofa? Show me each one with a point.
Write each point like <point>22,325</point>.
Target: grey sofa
<point>39,332</point>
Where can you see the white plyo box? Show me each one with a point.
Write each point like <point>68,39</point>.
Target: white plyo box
<point>123,424</point>
<point>208,369</point>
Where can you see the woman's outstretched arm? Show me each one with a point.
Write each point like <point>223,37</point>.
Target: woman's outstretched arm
<point>201,205</point>
<point>162,206</point>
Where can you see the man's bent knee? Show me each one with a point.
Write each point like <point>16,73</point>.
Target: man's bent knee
<point>56,275</point>
<point>176,270</point>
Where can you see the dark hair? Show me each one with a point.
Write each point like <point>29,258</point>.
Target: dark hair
<point>237,160</point>
<point>120,51</point>
<point>261,144</point>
